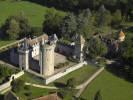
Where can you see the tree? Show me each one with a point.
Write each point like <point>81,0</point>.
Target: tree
<point>36,31</point>
<point>95,48</point>
<point>17,85</point>
<point>52,22</point>
<point>68,26</point>
<point>5,71</point>
<point>103,17</point>
<point>16,27</point>
<point>12,29</point>
<point>127,56</point>
<point>70,82</point>
<point>84,23</point>
<point>98,96</point>
<point>24,25</point>
<point>127,48</point>
<point>117,18</point>
<point>71,4</point>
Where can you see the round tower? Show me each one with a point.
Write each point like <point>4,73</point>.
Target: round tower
<point>23,51</point>
<point>47,59</point>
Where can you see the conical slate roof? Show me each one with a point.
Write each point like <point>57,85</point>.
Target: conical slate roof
<point>121,34</point>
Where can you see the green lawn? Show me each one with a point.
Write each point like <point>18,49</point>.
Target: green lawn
<point>35,93</point>
<point>27,77</point>
<point>34,12</point>
<point>5,42</point>
<point>79,75</point>
<point>112,88</point>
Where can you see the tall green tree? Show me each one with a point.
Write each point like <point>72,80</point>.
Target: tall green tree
<point>128,49</point>
<point>127,54</point>
<point>16,27</point>
<point>69,26</point>
<point>103,17</point>
<point>117,18</point>
<point>12,29</point>
<point>52,22</point>
<point>85,23</point>
<point>70,83</point>
<point>95,48</point>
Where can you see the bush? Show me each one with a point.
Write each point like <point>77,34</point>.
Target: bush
<point>66,93</point>
<point>5,71</point>
<point>17,85</point>
<point>70,83</point>
<point>36,31</point>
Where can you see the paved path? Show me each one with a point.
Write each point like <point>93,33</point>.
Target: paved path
<point>84,85</point>
<point>41,86</point>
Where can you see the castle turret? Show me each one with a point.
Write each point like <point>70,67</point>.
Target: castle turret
<point>24,55</point>
<point>79,45</point>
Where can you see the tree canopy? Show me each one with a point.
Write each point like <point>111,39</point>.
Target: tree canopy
<point>95,48</point>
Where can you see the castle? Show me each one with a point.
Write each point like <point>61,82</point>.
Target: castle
<point>43,47</point>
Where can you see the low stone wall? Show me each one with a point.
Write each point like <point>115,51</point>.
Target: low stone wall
<point>8,83</point>
<point>64,72</point>
<point>83,86</point>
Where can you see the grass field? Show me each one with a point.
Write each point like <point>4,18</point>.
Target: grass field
<point>79,75</point>
<point>5,42</point>
<point>27,77</point>
<point>34,12</point>
<point>112,88</point>
<point>35,93</point>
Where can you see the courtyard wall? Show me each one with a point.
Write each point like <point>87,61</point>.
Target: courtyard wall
<point>7,84</point>
<point>64,72</point>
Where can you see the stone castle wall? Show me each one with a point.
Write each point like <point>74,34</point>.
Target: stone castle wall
<point>8,83</point>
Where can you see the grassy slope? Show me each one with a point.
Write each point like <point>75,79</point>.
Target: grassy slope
<point>112,88</point>
<point>27,77</point>
<point>79,75</point>
<point>34,12</point>
<point>3,42</point>
<point>35,93</point>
